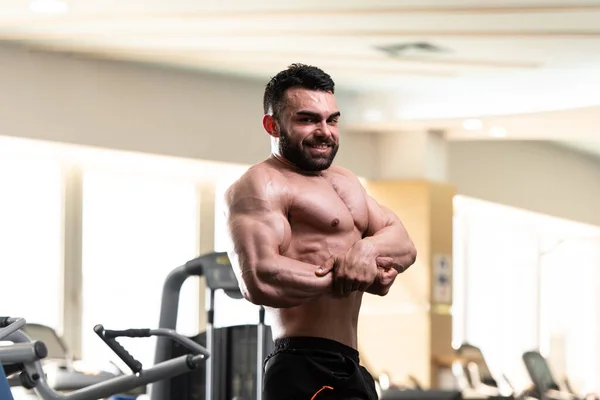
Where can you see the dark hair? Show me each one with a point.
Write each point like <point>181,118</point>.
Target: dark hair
<point>296,75</point>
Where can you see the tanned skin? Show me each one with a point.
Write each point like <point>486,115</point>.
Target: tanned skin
<point>307,244</point>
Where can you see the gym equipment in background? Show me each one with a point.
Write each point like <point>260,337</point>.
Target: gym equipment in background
<point>474,376</point>
<point>236,368</point>
<point>9,325</point>
<point>420,394</point>
<point>5,393</point>
<point>545,387</point>
<point>59,365</point>
<point>474,367</point>
<point>26,354</point>
<point>413,391</point>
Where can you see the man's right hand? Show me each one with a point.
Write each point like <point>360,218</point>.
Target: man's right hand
<point>352,271</point>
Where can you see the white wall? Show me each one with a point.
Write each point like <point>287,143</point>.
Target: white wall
<point>187,114</point>
<point>143,108</point>
<point>533,175</point>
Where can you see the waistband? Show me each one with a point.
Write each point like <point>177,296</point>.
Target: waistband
<point>315,343</point>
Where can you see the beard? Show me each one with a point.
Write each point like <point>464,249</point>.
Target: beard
<point>299,154</point>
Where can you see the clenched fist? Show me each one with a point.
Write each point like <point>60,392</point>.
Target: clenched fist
<point>354,270</point>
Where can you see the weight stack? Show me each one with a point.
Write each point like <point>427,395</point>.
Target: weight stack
<point>234,358</point>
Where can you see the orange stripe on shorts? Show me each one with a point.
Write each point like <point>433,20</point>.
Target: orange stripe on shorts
<point>319,391</point>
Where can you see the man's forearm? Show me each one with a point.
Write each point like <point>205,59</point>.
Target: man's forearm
<point>378,288</point>
<point>282,282</point>
<point>393,242</point>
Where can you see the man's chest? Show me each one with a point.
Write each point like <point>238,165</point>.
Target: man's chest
<point>329,203</point>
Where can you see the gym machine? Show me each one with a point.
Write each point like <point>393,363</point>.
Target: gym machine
<point>545,387</point>
<point>231,347</point>
<point>217,380</point>
<point>24,355</point>
<point>60,365</point>
<point>474,376</point>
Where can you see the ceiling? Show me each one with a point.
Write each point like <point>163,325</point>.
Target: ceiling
<point>410,61</point>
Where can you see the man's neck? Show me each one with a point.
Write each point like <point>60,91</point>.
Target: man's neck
<point>290,165</point>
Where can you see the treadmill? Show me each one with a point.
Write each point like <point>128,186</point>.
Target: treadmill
<point>235,369</point>
<point>545,386</point>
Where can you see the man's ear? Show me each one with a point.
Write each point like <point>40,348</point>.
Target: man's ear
<point>270,125</point>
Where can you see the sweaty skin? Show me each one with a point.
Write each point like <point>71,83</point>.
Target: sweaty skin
<point>286,223</point>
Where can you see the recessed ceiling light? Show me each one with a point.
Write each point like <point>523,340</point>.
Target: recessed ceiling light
<point>472,124</point>
<point>48,6</point>
<point>498,132</point>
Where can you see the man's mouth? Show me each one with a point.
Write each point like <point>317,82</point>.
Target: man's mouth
<point>319,146</point>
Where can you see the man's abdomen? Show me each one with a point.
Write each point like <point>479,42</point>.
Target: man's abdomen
<point>327,317</point>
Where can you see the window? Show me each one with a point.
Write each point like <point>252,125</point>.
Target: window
<point>525,281</point>
<point>458,280</point>
<point>570,310</point>
<point>501,295</point>
<point>136,230</point>
<point>31,239</point>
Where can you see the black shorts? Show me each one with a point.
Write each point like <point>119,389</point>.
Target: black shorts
<point>309,368</point>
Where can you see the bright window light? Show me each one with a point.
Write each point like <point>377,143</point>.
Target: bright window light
<point>31,238</point>
<point>496,292</point>
<point>136,230</point>
<point>48,6</point>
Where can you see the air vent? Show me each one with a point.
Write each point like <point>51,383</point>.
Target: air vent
<point>411,49</point>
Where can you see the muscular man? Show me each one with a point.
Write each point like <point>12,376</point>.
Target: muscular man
<point>308,242</point>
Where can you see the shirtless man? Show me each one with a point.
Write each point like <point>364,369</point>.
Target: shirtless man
<point>308,242</point>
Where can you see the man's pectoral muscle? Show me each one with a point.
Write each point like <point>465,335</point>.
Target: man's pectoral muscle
<point>387,240</point>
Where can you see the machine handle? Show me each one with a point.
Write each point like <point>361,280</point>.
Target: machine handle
<point>132,333</point>
<point>6,321</point>
<point>119,350</point>
<point>195,267</point>
<point>198,265</point>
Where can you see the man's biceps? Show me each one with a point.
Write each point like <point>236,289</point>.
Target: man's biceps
<point>377,219</point>
<point>385,214</point>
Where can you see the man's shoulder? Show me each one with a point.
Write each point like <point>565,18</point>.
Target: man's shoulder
<point>263,173</point>
<point>260,180</point>
<point>336,169</point>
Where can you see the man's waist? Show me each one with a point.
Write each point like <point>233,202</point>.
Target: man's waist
<point>314,343</point>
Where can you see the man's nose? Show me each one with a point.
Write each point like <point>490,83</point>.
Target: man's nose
<point>323,130</point>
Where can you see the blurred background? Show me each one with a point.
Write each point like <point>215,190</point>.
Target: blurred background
<point>123,122</point>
